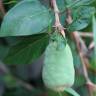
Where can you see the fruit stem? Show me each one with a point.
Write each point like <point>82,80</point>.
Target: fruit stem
<point>57,19</point>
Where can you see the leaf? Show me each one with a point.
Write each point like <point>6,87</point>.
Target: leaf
<point>45,3</point>
<point>94,32</point>
<point>85,11</point>
<point>93,57</point>
<point>81,19</point>
<point>71,91</point>
<point>3,51</point>
<point>27,50</point>
<point>83,91</point>
<point>61,4</point>
<point>78,25</point>
<point>79,80</point>
<point>21,91</point>
<point>26,18</point>
<point>78,3</point>
<point>69,2</point>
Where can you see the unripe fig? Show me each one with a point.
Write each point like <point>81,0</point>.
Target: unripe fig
<point>58,70</point>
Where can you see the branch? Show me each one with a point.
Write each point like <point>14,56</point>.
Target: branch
<point>2,9</point>
<point>3,69</point>
<point>57,19</point>
<point>76,35</point>
<point>24,84</point>
<point>79,44</point>
<point>91,46</point>
<point>86,34</point>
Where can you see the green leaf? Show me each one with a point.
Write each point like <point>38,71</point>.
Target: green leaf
<point>26,18</point>
<point>94,32</point>
<point>78,24</point>
<point>61,4</point>
<point>3,51</point>
<point>79,80</point>
<point>81,19</point>
<point>85,11</point>
<point>69,2</point>
<point>27,50</point>
<point>93,58</point>
<point>21,91</point>
<point>78,3</point>
<point>71,91</point>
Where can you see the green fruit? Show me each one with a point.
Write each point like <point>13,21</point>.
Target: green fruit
<point>58,70</point>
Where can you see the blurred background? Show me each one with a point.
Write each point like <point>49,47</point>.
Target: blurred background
<point>26,79</point>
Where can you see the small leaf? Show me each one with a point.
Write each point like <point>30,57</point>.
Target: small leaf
<point>27,50</point>
<point>81,19</point>
<point>86,11</point>
<point>71,91</point>
<point>78,3</point>
<point>27,18</point>
<point>3,51</point>
<point>79,80</point>
<point>93,59</point>
<point>61,4</point>
<point>94,32</point>
<point>78,25</point>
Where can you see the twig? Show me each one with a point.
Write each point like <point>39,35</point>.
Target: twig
<point>91,46</point>
<point>24,84</point>
<point>2,9</point>
<point>81,46</point>
<point>57,19</point>
<point>3,69</point>
<point>77,39</point>
<point>85,34</point>
<point>75,34</point>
